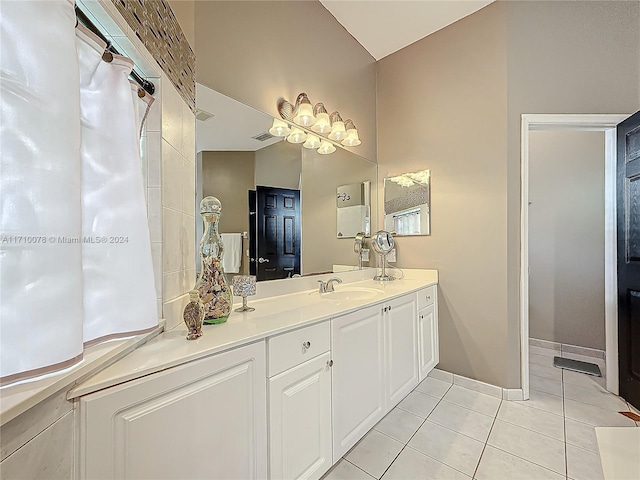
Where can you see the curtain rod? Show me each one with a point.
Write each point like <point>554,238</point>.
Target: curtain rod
<point>148,86</point>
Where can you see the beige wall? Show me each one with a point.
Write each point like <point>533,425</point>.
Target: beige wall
<point>442,106</point>
<point>279,165</point>
<point>566,237</point>
<point>244,51</point>
<point>184,10</point>
<point>321,176</point>
<point>228,176</point>
<point>468,85</point>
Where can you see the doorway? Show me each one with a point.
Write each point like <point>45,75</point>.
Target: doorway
<point>606,124</point>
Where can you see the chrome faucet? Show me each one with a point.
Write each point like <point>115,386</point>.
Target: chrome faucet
<point>327,286</point>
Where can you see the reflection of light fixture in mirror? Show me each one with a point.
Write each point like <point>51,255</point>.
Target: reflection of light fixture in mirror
<point>322,125</point>
<point>296,136</point>
<point>382,243</point>
<point>352,139</point>
<point>410,179</point>
<point>312,141</point>
<point>279,128</point>
<point>326,148</point>
<point>338,131</point>
<point>303,111</point>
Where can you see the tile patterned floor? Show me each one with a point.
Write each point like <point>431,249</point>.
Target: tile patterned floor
<point>445,431</point>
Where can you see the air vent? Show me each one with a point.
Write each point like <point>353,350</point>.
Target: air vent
<point>263,137</point>
<point>202,115</point>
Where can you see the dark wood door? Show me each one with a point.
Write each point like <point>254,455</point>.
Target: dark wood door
<point>253,230</point>
<point>628,188</point>
<point>278,232</point>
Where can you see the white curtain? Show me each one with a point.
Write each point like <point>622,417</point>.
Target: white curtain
<point>119,290</point>
<point>407,223</point>
<point>40,275</point>
<point>75,257</point>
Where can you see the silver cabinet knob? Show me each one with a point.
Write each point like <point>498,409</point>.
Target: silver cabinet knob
<point>330,363</point>
<point>263,260</point>
<point>306,345</point>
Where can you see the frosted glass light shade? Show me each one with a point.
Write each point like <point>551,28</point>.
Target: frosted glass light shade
<point>337,131</point>
<point>296,136</point>
<point>279,128</point>
<point>326,148</point>
<point>305,116</point>
<point>352,139</point>
<point>322,124</point>
<point>312,141</point>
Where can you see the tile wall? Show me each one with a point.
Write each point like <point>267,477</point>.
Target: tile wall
<point>177,196</point>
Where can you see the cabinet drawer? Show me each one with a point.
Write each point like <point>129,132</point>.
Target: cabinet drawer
<point>427,296</point>
<point>293,348</point>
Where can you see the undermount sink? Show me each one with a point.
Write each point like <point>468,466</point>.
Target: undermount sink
<point>351,293</point>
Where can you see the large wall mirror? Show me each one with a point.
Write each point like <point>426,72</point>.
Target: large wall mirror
<point>407,203</point>
<point>278,198</point>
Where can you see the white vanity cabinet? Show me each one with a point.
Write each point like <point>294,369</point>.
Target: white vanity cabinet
<point>358,390</point>
<point>401,348</point>
<point>300,403</point>
<point>204,419</point>
<point>428,344</point>
<point>377,362</point>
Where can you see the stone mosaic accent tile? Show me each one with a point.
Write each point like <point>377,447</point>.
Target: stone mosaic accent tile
<point>156,26</point>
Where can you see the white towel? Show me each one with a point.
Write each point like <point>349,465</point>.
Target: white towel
<point>232,254</point>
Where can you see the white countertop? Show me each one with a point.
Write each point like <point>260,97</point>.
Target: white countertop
<point>273,315</point>
<point>20,397</point>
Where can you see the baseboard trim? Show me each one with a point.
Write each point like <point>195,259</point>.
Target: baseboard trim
<point>512,394</point>
<point>478,386</point>
<point>441,375</point>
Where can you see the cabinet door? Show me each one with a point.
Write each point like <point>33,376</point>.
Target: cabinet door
<point>205,419</point>
<point>401,339</point>
<point>357,348</point>
<point>300,421</point>
<point>428,340</point>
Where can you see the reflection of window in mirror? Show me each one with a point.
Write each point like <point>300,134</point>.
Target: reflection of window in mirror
<point>407,203</point>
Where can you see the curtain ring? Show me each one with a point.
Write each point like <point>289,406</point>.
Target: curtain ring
<point>107,56</point>
<point>141,93</point>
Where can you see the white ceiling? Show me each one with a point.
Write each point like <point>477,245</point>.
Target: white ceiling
<point>232,125</point>
<point>386,26</point>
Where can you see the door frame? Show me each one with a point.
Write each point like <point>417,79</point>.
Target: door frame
<point>602,123</point>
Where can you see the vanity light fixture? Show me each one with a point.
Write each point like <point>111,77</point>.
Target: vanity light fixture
<point>312,141</point>
<point>323,124</point>
<point>296,135</point>
<point>313,119</point>
<point>279,128</point>
<point>304,112</point>
<point>326,148</point>
<point>351,140</point>
<point>338,132</point>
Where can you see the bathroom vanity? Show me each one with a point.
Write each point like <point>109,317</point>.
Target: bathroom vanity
<point>282,392</point>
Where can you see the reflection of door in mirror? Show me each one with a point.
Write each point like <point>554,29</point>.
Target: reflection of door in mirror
<point>275,239</point>
<point>407,203</point>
